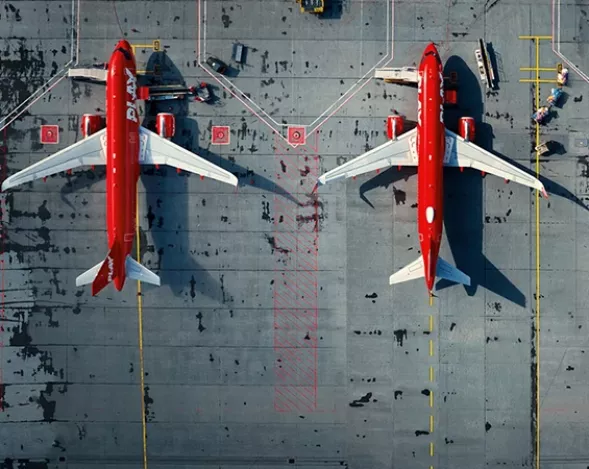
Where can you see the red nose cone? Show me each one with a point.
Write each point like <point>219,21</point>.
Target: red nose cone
<point>123,44</point>
<point>431,48</point>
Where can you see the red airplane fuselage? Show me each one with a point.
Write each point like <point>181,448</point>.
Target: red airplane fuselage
<point>430,149</point>
<point>122,155</point>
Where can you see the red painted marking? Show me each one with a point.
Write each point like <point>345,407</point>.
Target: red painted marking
<point>295,279</point>
<point>220,135</point>
<point>296,135</point>
<point>49,134</point>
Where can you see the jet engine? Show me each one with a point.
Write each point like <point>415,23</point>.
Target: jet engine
<point>394,126</point>
<point>165,124</point>
<point>466,128</point>
<point>92,123</point>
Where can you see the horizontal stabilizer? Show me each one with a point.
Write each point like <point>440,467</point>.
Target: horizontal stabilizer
<point>88,276</point>
<point>409,272</point>
<point>136,271</point>
<point>449,272</point>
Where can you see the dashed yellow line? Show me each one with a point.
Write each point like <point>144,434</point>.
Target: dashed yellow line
<point>431,348</point>
<point>431,399</point>
<point>431,423</point>
<point>431,373</point>
<point>140,322</point>
<point>431,449</point>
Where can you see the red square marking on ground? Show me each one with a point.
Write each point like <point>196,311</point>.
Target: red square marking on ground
<point>49,134</point>
<point>296,135</point>
<point>220,135</point>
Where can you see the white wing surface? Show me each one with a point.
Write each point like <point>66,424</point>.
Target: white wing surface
<point>460,153</point>
<point>392,153</point>
<point>158,150</point>
<point>86,152</point>
<point>409,272</point>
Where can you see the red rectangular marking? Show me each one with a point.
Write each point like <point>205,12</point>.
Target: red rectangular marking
<point>297,135</point>
<point>295,279</point>
<point>220,135</point>
<point>49,134</point>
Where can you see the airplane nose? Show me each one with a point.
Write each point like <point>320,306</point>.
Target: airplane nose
<point>123,44</point>
<point>431,49</point>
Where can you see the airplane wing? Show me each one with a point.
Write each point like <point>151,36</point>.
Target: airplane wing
<point>158,150</point>
<point>394,152</point>
<point>85,152</point>
<point>460,153</point>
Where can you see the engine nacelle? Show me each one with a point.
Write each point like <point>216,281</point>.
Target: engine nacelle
<point>466,128</point>
<point>91,123</point>
<point>394,126</point>
<point>165,124</point>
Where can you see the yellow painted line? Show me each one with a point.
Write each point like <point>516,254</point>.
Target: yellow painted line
<point>537,268</point>
<point>431,449</point>
<point>431,348</point>
<point>535,37</point>
<point>541,69</point>
<point>537,81</point>
<point>431,323</point>
<point>534,80</point>
<point>431,373</point>
<point>140,322</point>
<point>431,423</point>
<point>431,399</point>
<point>431,300</point>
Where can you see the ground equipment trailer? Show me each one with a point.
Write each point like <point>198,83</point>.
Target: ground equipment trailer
<point>312,6</point>
<point>408,76</point>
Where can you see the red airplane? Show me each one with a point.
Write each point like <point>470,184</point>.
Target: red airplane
<point>122,144</point>
<point>431,147</point>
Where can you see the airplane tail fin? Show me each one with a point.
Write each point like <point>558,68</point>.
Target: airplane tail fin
<point>447,271</point>
<point>416,270</point>
<point>106,271</point>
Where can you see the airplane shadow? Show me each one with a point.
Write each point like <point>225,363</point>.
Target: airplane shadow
<point>463,197</point>
<point>463,194</point>
<point>170,228</point>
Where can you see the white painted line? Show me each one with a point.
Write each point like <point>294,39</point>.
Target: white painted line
<point>256,109</point>
<point>60,75</point>
<point>556,12</point>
